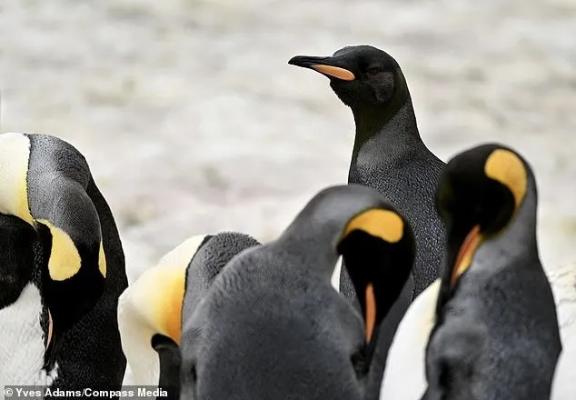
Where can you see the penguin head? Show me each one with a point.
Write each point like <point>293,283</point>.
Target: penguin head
<point>151,311</point>
<point>375,241</point>
<point>272,326</point>
<point>68,293</point>
<point>363,77</point>
<point>495,327</point>
<point>378,249</point>
<point>479,194</point>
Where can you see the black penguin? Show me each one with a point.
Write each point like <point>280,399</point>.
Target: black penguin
<point>151,310</point>
<point>272,327</point>
<point>389,156</point>
<point>388,153</point>
<point>496,334</point>
<point>78,259</point>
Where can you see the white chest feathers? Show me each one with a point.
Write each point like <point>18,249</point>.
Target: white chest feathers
<point>564,285</point>
<point>405,375</point>
<point>22,342</point>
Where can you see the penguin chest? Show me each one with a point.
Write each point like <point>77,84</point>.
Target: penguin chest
<point>22,342</point>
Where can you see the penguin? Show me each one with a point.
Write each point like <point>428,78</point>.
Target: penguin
<point>564,286</point>
<point>389,156</point>
<point>408,350</point>
<point>23,320</point>
<point>404,376</point>
<point>150,310</point>
<point>68,253</point>
<point>271,326</point>
<point>496,333</point>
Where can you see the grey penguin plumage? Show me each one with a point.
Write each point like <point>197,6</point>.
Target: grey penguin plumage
<point>208,262</point>
<point>151,310</point>
<point>389,156</point>
<point>496,334</point>
<point>272,326</point>
<point>78,258</point>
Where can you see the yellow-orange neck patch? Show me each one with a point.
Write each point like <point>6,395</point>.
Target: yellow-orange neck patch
<point>507,168</point>
<point>14,157</point>
<point>384,224</point>
<point>64,260</point>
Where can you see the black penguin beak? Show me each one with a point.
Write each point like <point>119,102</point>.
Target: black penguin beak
<point>325,65</point>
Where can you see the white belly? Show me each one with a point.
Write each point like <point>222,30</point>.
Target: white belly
<point>22,342</point>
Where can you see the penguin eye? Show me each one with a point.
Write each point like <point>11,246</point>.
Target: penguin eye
<point>374,70</point>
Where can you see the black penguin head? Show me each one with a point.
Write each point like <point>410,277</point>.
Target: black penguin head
<point>479,193</point>
<point>363,77</point>
<point>271,325</point>
<point>378,251</point>
<point>17,240</point>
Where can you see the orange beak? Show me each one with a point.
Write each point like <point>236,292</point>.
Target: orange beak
<point>466,253</point>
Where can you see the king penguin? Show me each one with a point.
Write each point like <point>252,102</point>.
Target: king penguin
<point>151,309</point>
<point>68,251</point>
<point>564,286</point>
<point>496,333</point>
<point>271,326</point>
<point>389,156</point>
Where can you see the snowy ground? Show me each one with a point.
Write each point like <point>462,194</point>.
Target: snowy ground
<point>192,121</point>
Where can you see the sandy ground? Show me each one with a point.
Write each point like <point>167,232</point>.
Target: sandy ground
<point>193,122</point>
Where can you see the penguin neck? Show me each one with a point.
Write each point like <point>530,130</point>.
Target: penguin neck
<point>321,261</point>
<point>518,241</point>
<point>393,126</point>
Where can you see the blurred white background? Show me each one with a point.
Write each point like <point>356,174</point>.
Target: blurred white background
<point>192,120</point>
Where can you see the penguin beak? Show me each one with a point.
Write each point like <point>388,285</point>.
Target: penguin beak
<point>50,329</point>
<point>466,253</point>
<point>370,312</point>
<point>325,65</point>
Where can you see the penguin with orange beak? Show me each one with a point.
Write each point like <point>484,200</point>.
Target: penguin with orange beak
<point>389,156</point>
<point>150,311</point>
<point>496,332</point>
<point>272,327</point>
